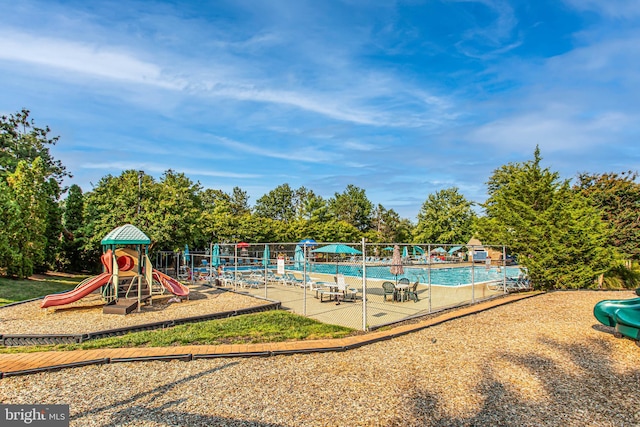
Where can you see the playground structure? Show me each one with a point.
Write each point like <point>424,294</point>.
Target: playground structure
<point>623,315</point>
<point>128,280</point>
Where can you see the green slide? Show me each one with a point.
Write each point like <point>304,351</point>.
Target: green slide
<point>628,322</point>
<point>605,311</point>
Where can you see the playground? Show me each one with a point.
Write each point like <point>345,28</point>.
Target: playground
<point>130,293</point>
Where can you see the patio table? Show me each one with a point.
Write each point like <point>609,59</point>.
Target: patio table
<point>402,288</point>
<point>331,292</point>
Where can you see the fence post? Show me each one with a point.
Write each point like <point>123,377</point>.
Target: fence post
<point>304,280</point>
<point>364,286</point>
<point>429,273</point>
<point>235,266</point>
<point>473,277</point>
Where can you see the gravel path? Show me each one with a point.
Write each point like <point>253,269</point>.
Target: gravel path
<point>543,361</point>
<point>75,318</point>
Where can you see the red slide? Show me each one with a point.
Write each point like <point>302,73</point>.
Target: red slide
<point>81,291</point>
<point>171,284</point>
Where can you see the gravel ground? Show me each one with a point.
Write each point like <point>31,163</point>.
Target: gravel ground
<point>74,318</point>
<point>543,361</point>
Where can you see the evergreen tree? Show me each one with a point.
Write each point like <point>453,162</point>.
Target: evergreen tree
<point>72,258</point>
<point>617,197</point>
<point>556,235</point>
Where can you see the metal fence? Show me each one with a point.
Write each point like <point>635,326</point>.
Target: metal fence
<point>362,286</point>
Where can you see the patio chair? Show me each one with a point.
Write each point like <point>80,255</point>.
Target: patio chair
<point>412,292</point>
<point>389,288</point>
<point>404,281</point>
<point>342,287</point>
<point>294,280</point>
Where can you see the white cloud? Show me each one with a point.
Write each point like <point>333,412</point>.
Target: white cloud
<point>618,9</point>
<point>84,58</point>
<point>494,39</point>
<point>148,167</point>
<point>302,153</point>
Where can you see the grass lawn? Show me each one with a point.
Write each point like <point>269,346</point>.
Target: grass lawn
<point>270,326</point>
<point>38,286</point>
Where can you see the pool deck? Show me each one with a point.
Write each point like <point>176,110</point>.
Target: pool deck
<point>379,312</point>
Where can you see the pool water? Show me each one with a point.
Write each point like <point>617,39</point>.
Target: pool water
<point>448,276</point>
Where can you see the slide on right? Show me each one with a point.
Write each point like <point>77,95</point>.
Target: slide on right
<point>171,284</point>
<point>605,311</point>
<point>628,321</point>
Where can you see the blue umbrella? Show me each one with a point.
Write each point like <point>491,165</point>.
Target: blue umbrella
<point>337,249</point>
<point>186,253</point>
<point>215,255</point>
<point>308,242</point>
<point>405,252</point>
<point>266,255</point>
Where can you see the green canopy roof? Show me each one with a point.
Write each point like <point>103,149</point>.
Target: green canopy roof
<point>126,235</point>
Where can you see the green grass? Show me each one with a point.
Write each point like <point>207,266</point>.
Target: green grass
<point>269,326</point>
<point>20,290</point>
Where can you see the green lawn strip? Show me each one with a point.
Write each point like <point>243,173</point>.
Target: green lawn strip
<point>270,326</point>
<point>21,290</point>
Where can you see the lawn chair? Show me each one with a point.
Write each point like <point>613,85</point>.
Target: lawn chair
<point>342,287</point>
<point>412,292</point>
<point>293,280</point>
<point>389,288</point>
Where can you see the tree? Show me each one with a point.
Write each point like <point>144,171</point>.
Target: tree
<point>353,207</point>
<point>127,199</point>
<point>387,226</point>
<point>27,205</point>
<point>239,201</point>
<point>72,257</point>
<point>617,197</point>
<point>167,211</point>
<point>445,217</point>
<point>53,229</point>
<point>278,204</point>
<point>9,222</point>
<point>171,220</point>
<point>556,235</point>
<point>22,141</point>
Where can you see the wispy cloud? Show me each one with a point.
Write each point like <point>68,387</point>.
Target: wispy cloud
<point>618,9</point>
<point>302,154</point>
<point>154,168</point>
<point>498,35</point>
<point>84,58</point>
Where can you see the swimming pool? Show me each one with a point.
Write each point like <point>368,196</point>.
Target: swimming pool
<point>447,276</point>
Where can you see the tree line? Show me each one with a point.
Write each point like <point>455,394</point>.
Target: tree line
<point>567,235</point>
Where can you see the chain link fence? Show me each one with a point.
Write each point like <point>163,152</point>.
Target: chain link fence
<point>359,285</point>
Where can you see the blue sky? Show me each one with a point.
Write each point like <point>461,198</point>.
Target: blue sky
<point>400,98</point>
